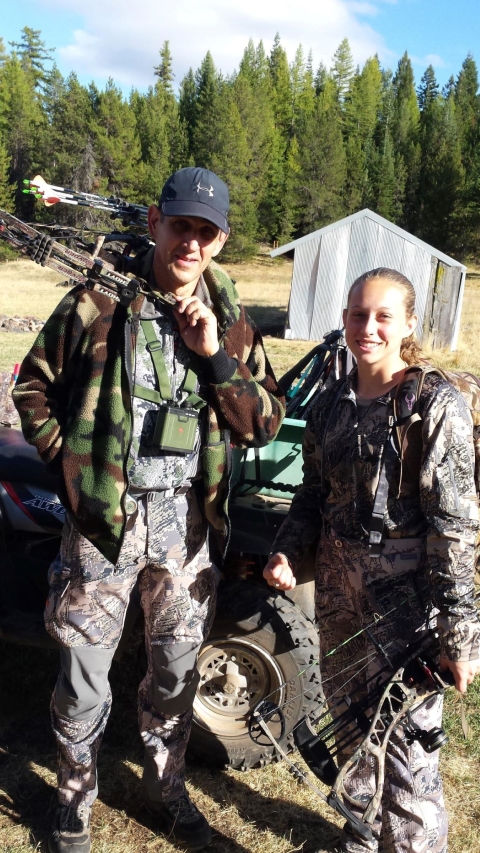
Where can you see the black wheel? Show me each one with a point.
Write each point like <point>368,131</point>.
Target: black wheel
<point>261,645</point>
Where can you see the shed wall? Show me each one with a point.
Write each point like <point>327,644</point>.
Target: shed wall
<point>302,294</point>
<point>325,267</point>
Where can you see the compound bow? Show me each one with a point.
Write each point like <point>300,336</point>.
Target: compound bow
<point>93,272</point>
<point>364,722</point>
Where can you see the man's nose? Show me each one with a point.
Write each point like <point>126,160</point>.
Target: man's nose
<point>192,240</point>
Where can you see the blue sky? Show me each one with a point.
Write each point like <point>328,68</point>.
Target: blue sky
<point>121,38</point>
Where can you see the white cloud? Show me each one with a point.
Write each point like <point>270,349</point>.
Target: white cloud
<point>122,38</point>
<point>435,60</point>
<point>421,62</point>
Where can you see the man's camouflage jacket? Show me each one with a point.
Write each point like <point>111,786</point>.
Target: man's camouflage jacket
<point>74,396</point>
<point>431,493</point>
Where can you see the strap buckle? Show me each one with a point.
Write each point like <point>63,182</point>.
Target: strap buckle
<point>153,346</point>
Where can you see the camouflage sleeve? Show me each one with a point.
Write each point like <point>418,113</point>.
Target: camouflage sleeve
<point>303,523</point>
<point>247,398</point>
<point>40,394</point>
<point>449,503</point>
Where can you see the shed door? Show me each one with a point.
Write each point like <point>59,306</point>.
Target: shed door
<point>443,305</point>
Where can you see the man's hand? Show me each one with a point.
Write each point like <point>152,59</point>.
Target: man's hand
<point>278,572</point>
<point>197,325</point>
<point>464,671</point>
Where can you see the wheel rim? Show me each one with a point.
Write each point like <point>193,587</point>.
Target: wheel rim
<point>235,675</point>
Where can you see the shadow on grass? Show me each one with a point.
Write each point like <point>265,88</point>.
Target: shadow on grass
<point>27,677</point>
<point>121,823</point>
<point>304,828</point>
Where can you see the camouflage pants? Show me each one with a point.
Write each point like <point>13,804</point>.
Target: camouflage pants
<point>166,549</point>
<point>351,587</point>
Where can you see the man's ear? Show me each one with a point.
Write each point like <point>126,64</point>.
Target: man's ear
<point>344,316</point>
<point>154,217</point>
<point>222,239</point>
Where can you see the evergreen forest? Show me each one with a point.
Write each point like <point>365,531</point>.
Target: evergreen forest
<point>298,146</point>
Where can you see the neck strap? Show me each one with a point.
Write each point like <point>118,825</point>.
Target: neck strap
<point>164,394</point>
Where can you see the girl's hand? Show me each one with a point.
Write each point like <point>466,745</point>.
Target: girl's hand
<point>278,572</point>
<point>464,671</point>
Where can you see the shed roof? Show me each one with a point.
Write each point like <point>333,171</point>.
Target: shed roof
<point>451,262</point>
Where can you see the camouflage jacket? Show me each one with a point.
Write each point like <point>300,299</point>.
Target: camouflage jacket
<point>431,492</point>
<point>74,396</point>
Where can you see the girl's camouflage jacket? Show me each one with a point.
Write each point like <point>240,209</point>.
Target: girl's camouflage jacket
<point>74,396</point>
<point>431,493</point>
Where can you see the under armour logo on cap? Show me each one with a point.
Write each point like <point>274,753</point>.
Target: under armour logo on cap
<point>208,190</point>
<point>196,192</point>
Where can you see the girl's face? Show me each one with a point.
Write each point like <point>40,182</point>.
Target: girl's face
<point>376,322</point>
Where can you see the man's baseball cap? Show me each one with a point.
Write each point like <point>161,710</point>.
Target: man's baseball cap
<point>196,192</point>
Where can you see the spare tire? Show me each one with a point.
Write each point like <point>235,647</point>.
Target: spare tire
<point>261,646</point>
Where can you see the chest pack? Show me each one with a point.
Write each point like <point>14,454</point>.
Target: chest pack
<point>405,440</point>
<point>176,425</point>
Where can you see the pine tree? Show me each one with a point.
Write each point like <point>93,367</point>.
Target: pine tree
<point>251,91</point>
<point>297,77</point>
<point>164,70</point>
<point>70,128</point>
<point>207,111</point>
<point>178,142</point>
<point>248,63</point>
<point>449,87</point>
<point>322,165</point>
<point>7,190</point>
<point>150,115</point>
<point>117,145</point>
<point>342,70</point>
<point>441,175</point>
<point>289,197</point>
<point>404,130</point>
<point>468,109</point>
<point>320,79</point>
<point>282,88</point>
<point>230,160</point>
<point>262,67</point>
<point>33,54</point>
<point>53,91</point>
<point>188,107</point>
<point>362,107</point>
<point>388,203</point>
<point>21,123</point>
<point>428,89</point>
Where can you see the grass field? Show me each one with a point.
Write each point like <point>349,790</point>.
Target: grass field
<point>261,811</point>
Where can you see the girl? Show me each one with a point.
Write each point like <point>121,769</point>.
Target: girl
<point>426,552</point>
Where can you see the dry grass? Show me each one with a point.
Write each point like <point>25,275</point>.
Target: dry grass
<point>256,812</point>
<point>262,811</point>
<point>26,290</point>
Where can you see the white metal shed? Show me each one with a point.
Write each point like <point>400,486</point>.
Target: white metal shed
<point>328,261</point>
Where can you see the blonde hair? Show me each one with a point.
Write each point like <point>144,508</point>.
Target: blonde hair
<point>410,351</point>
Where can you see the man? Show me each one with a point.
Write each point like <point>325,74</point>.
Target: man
<point>135,409</point>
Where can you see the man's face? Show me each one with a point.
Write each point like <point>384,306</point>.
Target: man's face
<point>184,246</point>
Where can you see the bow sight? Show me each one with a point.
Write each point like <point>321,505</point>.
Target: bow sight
<point>359,726</point>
